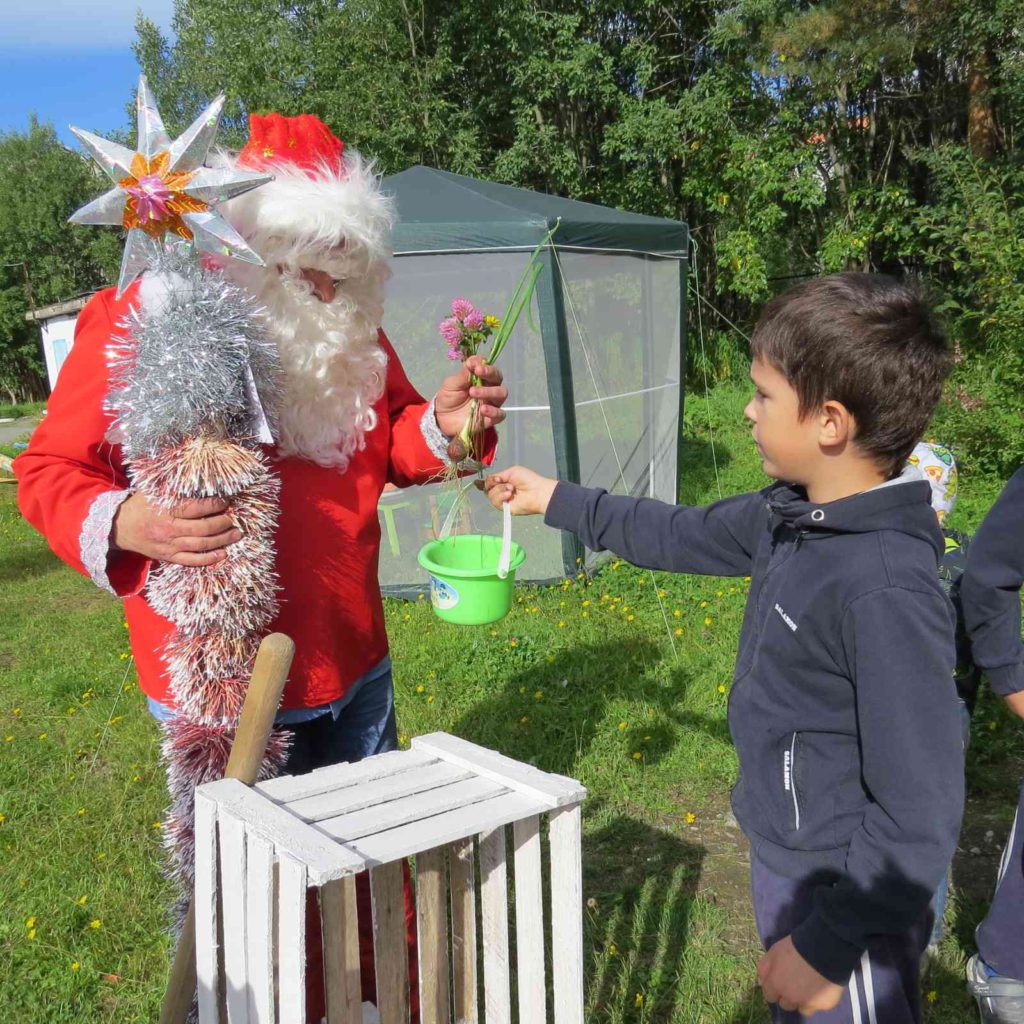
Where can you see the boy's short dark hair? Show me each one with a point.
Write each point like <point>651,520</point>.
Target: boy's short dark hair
<point>866,340</point>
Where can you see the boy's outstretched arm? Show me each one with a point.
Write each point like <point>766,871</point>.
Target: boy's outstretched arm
<point>990,591</point>
<point>718,540</point>
<point>898,644</point>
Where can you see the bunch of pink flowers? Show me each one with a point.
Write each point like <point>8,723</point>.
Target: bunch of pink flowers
<point>466,329</point>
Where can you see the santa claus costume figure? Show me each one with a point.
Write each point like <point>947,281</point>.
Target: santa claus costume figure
<point>349,423</point>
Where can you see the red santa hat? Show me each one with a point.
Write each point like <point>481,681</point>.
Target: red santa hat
<point>322,195</point>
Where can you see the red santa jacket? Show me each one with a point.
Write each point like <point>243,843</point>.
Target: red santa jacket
<point>328,538</point>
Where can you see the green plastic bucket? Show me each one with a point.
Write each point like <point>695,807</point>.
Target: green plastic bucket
<point>465,587</point>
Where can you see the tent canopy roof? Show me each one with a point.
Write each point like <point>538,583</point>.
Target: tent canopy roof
<point>441,210</point>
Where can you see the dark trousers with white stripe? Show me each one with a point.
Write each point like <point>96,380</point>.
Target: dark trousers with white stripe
<point>1001,935</point>
<point>884,989</point>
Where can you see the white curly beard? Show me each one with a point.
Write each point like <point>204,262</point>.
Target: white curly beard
<point>334,367</point>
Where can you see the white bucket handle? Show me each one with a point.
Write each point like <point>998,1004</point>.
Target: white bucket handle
<point>505,559</point>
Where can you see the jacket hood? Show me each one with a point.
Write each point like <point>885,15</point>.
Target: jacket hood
<point>902,504</point>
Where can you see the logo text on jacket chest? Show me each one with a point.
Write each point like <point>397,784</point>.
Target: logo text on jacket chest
<point>785,618</point>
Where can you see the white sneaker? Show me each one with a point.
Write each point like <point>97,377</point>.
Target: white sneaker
<point>1000,1000</point>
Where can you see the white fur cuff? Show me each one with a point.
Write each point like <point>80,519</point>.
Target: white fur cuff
<point>437,441</point>
<point>94,540</point>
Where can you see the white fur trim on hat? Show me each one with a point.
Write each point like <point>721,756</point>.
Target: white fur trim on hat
<point>295,215</point>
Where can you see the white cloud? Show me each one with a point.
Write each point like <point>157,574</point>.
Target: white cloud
<point>78,25</point>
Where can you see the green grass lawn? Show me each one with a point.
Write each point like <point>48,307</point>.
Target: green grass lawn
<point>620,680</point>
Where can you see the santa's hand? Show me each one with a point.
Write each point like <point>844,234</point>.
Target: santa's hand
<point>451,404</point>
<point>195,533</point>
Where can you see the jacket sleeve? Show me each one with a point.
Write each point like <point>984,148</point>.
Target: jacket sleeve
<point>990,590</point>
<point>416,449</point>
<point>717,540</point>
<point>71,481</point>
<point>899,648</point>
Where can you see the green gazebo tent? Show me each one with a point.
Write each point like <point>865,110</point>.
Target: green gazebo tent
<point>595,368</point>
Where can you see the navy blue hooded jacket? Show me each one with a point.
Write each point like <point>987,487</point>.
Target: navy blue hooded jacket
<point>843,708</point>
<point>990,590</point>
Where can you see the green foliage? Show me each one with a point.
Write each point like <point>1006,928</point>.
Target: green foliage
<point>43,259</point>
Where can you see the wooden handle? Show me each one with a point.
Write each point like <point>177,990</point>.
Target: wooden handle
<point>269,675</point>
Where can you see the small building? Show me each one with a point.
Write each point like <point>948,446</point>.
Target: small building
<point>57,326</point>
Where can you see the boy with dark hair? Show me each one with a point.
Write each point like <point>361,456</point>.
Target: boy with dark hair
<point>843,709</point>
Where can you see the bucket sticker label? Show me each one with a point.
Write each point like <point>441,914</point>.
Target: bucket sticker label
<point>442,595</point>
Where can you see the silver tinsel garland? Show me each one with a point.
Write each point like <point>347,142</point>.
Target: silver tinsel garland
<point>193,379</point>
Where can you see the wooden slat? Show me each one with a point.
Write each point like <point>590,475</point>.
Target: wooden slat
<point>463,884</point>
<point>494,915</point>
<point>565,833</point>
<point>390,950</point>
<point>207,911</point>
<point>259,936</point>
<point>354,798</point>
<point>286,788</point>
<point>324,858</point>
<point>233,885</point>
<point>432,936</point>
<point>553,790</point>
<point>341,951</point>
<point>530,979</point>
<point>383,817</point>
<point>291,943</point>
<point>444,828</point>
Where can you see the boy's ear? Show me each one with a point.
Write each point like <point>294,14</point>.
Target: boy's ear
<point>836,426</point>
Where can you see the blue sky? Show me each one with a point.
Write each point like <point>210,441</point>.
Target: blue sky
<point>70,61</point>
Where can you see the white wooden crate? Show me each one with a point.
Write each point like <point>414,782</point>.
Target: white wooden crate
<point>448,804</point>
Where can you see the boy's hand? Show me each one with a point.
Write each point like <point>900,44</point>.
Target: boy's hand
<point>526,491</point>
<point>1015,702</point>
<point>789,980</point>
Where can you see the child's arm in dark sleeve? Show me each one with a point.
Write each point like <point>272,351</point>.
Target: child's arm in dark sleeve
<point>718,540</point>
<point>898,644</point>
<point>990,590</point>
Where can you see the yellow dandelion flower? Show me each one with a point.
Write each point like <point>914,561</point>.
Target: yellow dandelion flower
<point>43,735</point>
<point>8,739</point>
<point>157,825</point>
<point>493,322</point>
<point>16,712</point>
<point>690,817</point>
<point>31,934</point>
<point>639,1000</point>
<point>718,593</point>
<point>630,618</point>
<point>623,725</point>
<point>662,593</point>
<point>403,739</point>
<point>430,699</point>
<point>613,950</point>
<point>513,642</point>
<point>136,778</point>
<point>678,632</point>
<point>3,818</point>
<point>81,901</point>
<point>637,756</point>
<point>708,620</point>
<point>76,966</point>
<point>677,613</point>
<point>538,694</point>
<point>30,922</point>
<point>524,719</point>
<point>561,623</point>
<point>703,604</point>
<point>95,924</point>
<point>420,688</point>
<point>932,996</point>
<point>81,812</point>
<point>721,687</point>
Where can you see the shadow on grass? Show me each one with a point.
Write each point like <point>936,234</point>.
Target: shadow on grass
<point>700,468</point>
<point>641,885</point>
<point>27,560</point>
<point>576,687</point>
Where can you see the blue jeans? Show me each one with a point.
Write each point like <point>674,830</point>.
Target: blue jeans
<point>365,726</point>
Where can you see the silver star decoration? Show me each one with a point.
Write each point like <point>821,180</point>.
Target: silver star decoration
<point>163,189</point>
